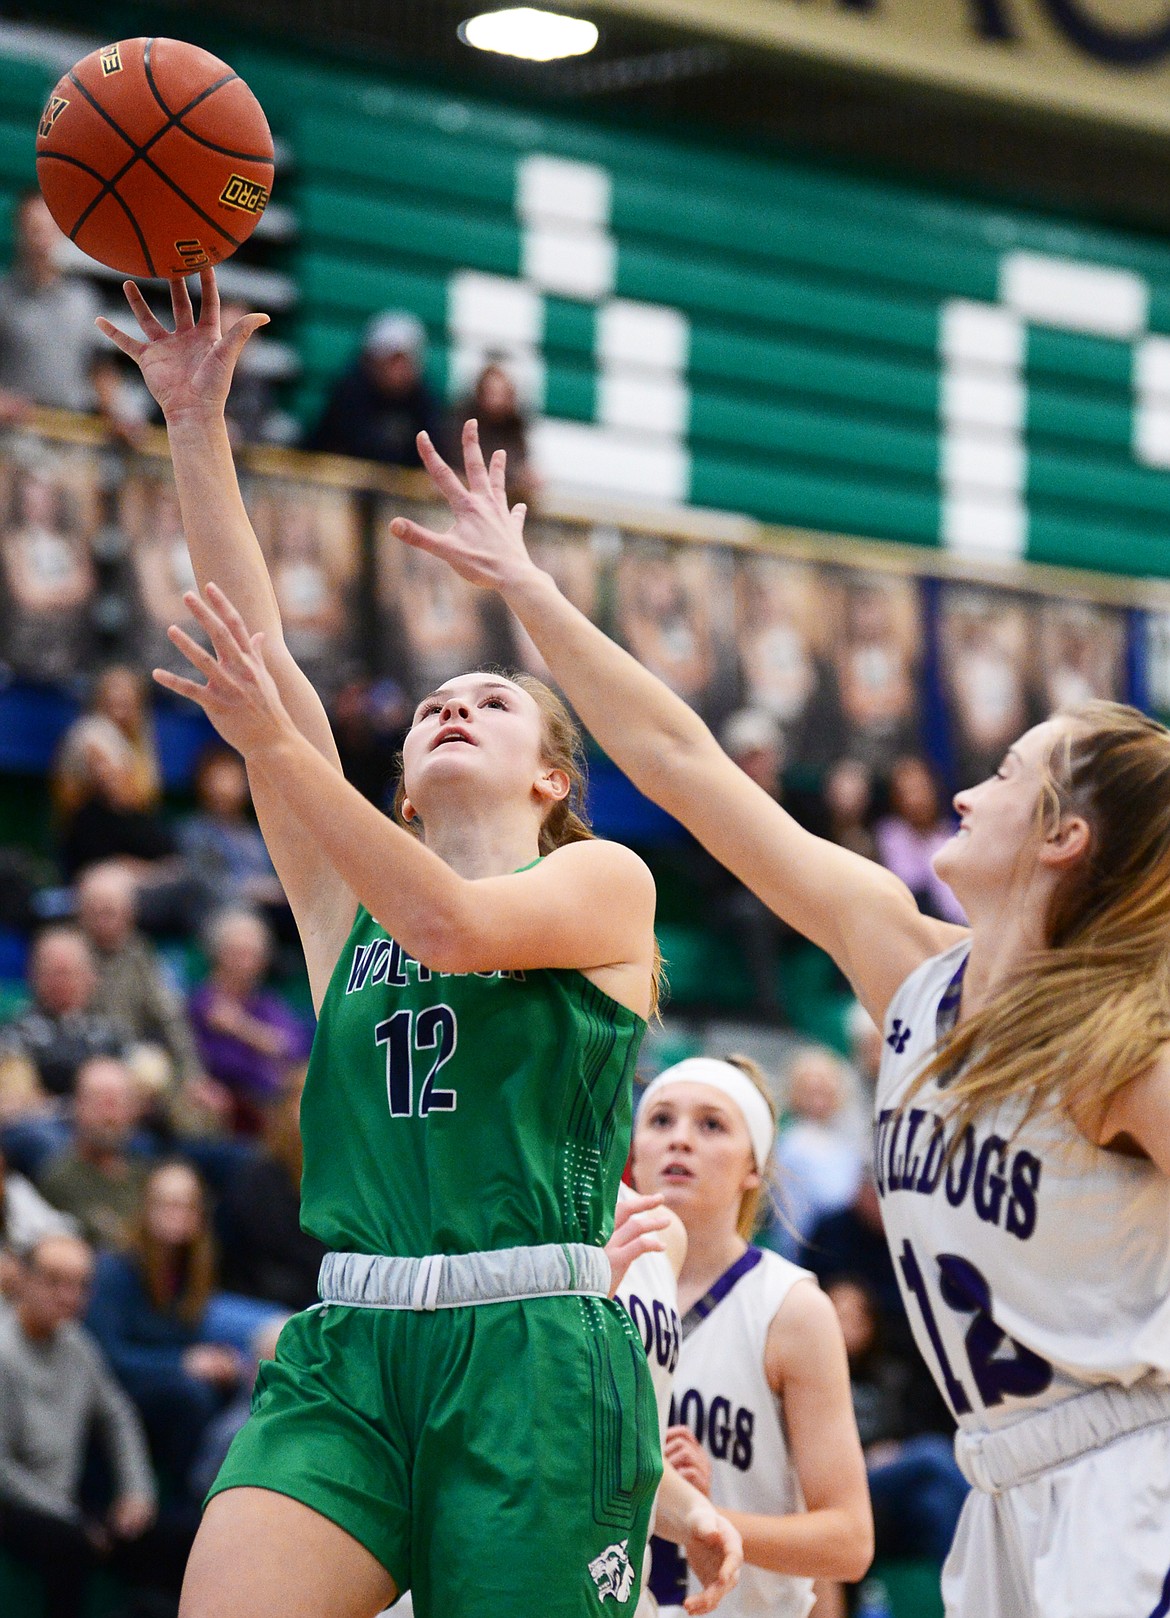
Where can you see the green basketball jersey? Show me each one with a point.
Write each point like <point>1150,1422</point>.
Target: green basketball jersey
<point>456,1113</point>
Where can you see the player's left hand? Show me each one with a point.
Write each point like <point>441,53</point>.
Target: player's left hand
<point>240,696</point>
<point>635,1231</point>
<point>714,1552</point>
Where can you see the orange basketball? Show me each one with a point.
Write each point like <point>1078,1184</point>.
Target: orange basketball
<point>154,157</point>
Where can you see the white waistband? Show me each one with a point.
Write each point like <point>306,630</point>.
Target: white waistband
<point>455,1280</point>
<point>1000,1460</point>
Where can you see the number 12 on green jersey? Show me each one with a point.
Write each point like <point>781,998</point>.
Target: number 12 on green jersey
<point>409,1033</point>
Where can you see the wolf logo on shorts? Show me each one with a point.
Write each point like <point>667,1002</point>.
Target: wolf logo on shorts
<point>613,1573</point>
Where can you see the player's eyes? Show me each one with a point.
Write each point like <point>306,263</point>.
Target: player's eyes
<point>493,702</point>
<point>427,708</point>
<point>660,1120</point>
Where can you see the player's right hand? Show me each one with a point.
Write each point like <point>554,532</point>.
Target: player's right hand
<point>188,370</point>
<point>688,1457</point>
<point>486,545</point>
<point>636,1227</point>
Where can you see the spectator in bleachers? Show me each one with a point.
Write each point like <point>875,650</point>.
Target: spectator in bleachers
<point>54,1391</point>
<point>149,1312</point>
<point>816,1153</point>
<point>370,718</point>
<point>753,739</point>
<point>131,987</point>
<point>98,1178</point>
<point>247,1036</point>
<point>218,1435</point>
<point>225,854</point>
<point>50,350</point>
<point>25,1217</point>
<point>494,403</point>
<point>62,1028</point>
<point>915,1484</point>
<point>848,799</point>
<point>913,832</point>
<point>852,1242</point>
<point>378,407</point>
<point>49,574</point>
<point>107,786</point>
<point>266,1254</point>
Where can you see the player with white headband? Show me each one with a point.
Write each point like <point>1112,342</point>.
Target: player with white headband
<point>762,1413</point>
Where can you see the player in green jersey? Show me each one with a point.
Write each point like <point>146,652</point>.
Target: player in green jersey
<point>467,1412</point>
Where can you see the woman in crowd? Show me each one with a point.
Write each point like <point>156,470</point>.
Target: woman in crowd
<point>1023,1104</point>
<point>151,1311</point>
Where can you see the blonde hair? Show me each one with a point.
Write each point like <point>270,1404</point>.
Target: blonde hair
<point>760,1200</point>
<point>563,748</point>
<point>1091,1011</point>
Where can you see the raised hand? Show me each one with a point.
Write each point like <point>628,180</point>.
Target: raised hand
<point>636,1227</point>
<point>188,370</point>
<point>240,696</point>
<point>486,545</point>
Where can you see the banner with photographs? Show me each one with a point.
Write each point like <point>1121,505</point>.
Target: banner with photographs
<point>49,500</point>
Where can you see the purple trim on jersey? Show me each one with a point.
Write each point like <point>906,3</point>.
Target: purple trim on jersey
<point>703,1306</point>
<point>1163,1607</point>
<point>948,1007</point>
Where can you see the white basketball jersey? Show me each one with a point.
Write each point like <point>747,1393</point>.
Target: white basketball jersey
<point>649,1295</point>
<point>722,1394</point>
<point>1034,1264</point>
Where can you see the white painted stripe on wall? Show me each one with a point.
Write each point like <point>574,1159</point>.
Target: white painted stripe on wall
<point>645,334</point>
<point>495,308</point>
<point>575,263</point>
<point>555,190</point>
<point>580,456</point>
<point>981,334</point>
<point>1151,434</point>
<point>1151,367</point>
<point>974,462</point>
<point>979,398</point>
<point>1074,296</point>
<point>651,404</point>
<point>467,356</point>
<point>985,525</point>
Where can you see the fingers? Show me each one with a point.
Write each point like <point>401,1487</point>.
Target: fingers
<point>129,345</point>
<point>232,342</point>
<point>640,1202</point>
<point>473,462</point>
<point>444,479</point>
<point>152,327</point>
<point>519,512</point>
<point>497,473</point>
<point>224,640</point>
<point>181,304</point>
<point>191,650</point>
<point>230,615</point>
<point>413,533</point>
<point>208,297</point>
<point>180,686</point>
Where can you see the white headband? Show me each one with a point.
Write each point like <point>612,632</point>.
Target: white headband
<point>735,1085</point>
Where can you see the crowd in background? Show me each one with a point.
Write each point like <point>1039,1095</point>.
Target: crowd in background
<point>151,1067</point>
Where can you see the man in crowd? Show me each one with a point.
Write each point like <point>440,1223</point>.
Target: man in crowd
<point>50,351</point>
<point>54,1389</point>
<point>379,406</point>
<point>62,1027</point>
<point>97,1179</point>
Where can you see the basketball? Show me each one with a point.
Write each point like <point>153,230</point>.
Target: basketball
<point>154,157</point>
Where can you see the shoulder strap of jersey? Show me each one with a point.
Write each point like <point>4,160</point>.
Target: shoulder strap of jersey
<point>703,1306</point>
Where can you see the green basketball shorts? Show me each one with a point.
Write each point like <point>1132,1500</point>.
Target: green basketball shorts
<point>496,1459</point>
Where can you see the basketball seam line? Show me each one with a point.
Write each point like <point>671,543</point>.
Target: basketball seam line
<point>64,157</point>
<point>177,117</point>
<point>174,119</point>
<point>141,154</point>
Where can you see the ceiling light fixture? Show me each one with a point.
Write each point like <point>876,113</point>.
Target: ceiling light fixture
<point>537,36</point>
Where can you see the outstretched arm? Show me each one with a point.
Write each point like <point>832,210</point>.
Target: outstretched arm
<point>861,914</point>
<point>189,372</point>
<point>587,906</point>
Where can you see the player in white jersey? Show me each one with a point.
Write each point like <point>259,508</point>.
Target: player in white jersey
<point>1025,1146</point>
<point>763,1382</point>
<point>682,1515</point>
